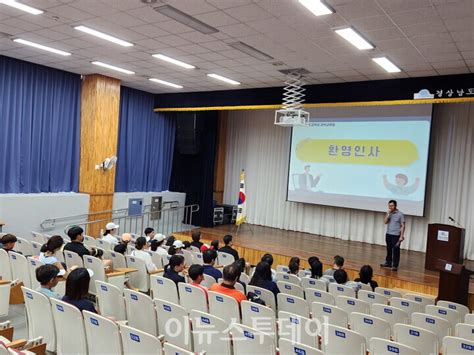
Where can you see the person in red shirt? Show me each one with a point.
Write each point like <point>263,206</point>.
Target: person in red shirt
<point>231,274</point>
<point>196,273</point>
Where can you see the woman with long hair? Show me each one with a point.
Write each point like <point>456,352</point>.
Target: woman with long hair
<point>77,288</point>
<point>262,277</point>
<point>48,253</point>
<point>365,276</point>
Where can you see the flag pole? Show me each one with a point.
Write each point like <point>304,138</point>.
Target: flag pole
<point>242,204</point>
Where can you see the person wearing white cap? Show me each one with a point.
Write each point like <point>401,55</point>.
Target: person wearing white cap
<point>110,234</point>
<point>156,244</point>
<point>139,252</point>
<point>176,247</point>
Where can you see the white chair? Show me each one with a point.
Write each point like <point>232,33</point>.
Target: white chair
<point>457,346</point>
<point>38,238</point>
<point>304,273</point>
<point>407,305</point>
<point>72,259</point>
<point>173,323</point>
<point>97,266</point>
<point>441,327</point>
<point>141,312</point>
<point>36,248</point>
<point>423,340</point>
<point>307,282</point>
<point>469,318</point>
<point>164,288</point>
<point>462,309</point>
<point>102,334</point>
<point>339,340</point>
<point>290,289</point>
<point>135,341</point>
<point>118,260</point>
<point>341,290</point>
<point>195,249</point>
<point>20,269</point>
<point>70,332</point>
<point>285,277</point>
<point>298,329</point>
<point>465,331</point>
<point>327,314</point>
<point>210,334</point>
<point>24,247</point>
<point>104,244</point>
<point>282,268</point>
<point>224,259</point>
<point>110,300</point>
<point>289,347</point>
<point>365,287</point>
<point>244,278</point>
<point>267,296</point>
<point>192,297</point>
<point>369,326</point>
<point>33,264</point>
<point>251,341</point>
<point>188,257</point>
<point>450,315</point>
<point>384,346</point>
<point>5,287</point>
<point>224,306</point>
<point>238,285</point>
<point>165,259</point>
<point>388,292</point>
<point>139,279</point>
<point>197,258</point>
<point>421,299</point>
<point>170,349</point>
<point>259,317</point>
<point>372,297</point>
<point>391,314</point>
<point>313,295</point>
<point>208,281</point>
<point>90,242</point>
<point>293,304</point>
<point>40,317</point>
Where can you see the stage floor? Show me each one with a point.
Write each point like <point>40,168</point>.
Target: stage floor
<point>411,273</point>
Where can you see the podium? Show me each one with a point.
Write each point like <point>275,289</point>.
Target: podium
<point>444,242</point>
<point>453,282</point>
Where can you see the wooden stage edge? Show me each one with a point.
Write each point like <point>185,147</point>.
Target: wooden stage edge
<point>282,244</point>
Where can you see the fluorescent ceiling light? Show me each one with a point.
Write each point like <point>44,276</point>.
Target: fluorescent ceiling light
<point>108,66</point>
<point>22,7</point>
<point>174,61</point>
<point>224,79</point>
<point>317,7</point>
<point>354,38</point>
<point>253,52</point>
<point>167,83</point>
<point>185,19</point>
<point>103,36</point>
<point>385,63</point>
<point>40,46</point>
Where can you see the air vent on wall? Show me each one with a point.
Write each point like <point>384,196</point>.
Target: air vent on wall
<point>301,71</point>
<point>185,19</point>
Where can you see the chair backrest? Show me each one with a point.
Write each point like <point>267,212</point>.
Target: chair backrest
<point>118,260</point>
<point>224,258</point>
<point>135,341</point>
<point>192,297</point>
<point>208,281</point>
<point>350,304</point>
<point>369,326</point>
<point>36,248</point>
<point>308,282</point>
<point>20,269</point>
<point>450,315</point>
<point>372,297</point>
<point>216,339</point>
<point>441,327</point>
<point>464,330</point>
<point>155,258</point>
<point>298,329</point>
<point>329,314</point>
<point>33,264</point>
<point>384,346</point>
<point>285,277</point>
<point>421,299</point>
<point>407,305</point>
<point>469,318</point>
<point>238,285</point>
<point>244,278</point>
<point>313,295</point>
<point>104,244</point>
<point>282,268</point>
<point>110,300</point>
<point>141,312</point>
<point>97,266</point>
<point>289,347</point>
<point>173,323</point>
<point>259,317</point>
<point>24,246</point>
<point>39,238</point>
<point>68,320</point>
<point>103,335</point>
<point>267,296</point>
<point>90,242</point>
<point>197,258</point>
<point>339,340</point>
<point>462,309</point>
<point>390,314</point>
<point>290,289</point>
<point>72,259</point>
<point>293,304</point>
<point>247,340</point>
<point>224,306</point>
<point>139,279</point>
<point>188,257</point>
<point>418,338</point>
<point>171,349</point>
<point>4,298</point>
<point>457,346</point>
<point>341,290</point>
<point>388,292</point>
<point>165,259</point>
<point>164,288</point>
<point>40,317</point>
<point>365,287</point>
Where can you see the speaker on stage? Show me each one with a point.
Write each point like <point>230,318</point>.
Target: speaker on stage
<point>188,133</point>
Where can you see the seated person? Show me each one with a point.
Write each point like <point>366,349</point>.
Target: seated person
<point>110,234</point>
<point>140,253</point>
<point>47,276</point>
<point>365,276</point>
<point>262,277</point>
<point>156,244</point>
<point>176,247</point>
<point>174,267</point>
<point>231,274</point>
<point>48,252</point>
<point>242,265</point>
<point>337,265</point>
<point>268,258</point>
<point>341,278</point>
<point>196,273</point>
<point>149,234</point>
<point>227,248</point>
<point>315,267</point>
<point>170,240</point>
<point>76,245</point>
<point>293,268</point>
<point>186,245</point>
<point>209,259</point>
<point>77,288</point>
<point>8,243</point>
<point>125,238</point>
<point>196,237</point>
<point>120,248</point>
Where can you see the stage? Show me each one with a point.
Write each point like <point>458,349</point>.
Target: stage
<point>283,244</point>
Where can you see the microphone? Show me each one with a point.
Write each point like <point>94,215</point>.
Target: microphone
<point>451,219</point>
<point>454,221</point>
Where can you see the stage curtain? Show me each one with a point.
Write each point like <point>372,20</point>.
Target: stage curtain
<point>257,145</point>
<point>39,128</point>
<point>145,145</point>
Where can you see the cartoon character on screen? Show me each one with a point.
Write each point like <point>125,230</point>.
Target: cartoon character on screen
<point>306,181</point>
<point>400,187</point>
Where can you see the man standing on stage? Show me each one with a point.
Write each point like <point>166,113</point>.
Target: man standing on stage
<point>395,221</point>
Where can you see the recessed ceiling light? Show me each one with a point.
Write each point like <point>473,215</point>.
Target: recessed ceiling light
<point>253,52</point>
<point>167,83</point>
<point>103,36</point>
<point>185,19</point>
<point>173,61</point>
<point>22,7</point>
<point>113,67</point>
<point>224,79</point>
<point>317,7</point>
<point>385,63</point>
<point>354,38</point>
<point>40,46</point>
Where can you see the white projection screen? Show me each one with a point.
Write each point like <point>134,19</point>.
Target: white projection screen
<point>362,157</point>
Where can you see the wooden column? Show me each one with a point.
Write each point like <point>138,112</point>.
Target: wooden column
<point>100,100</point>
<point>219,168</point>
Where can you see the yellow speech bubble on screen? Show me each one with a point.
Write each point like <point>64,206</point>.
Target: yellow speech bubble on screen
<point>356,151</point>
